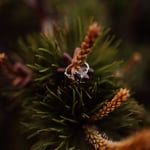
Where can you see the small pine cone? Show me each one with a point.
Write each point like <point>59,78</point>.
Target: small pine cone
<point>96,139</point>
<point>90,38</point>
<point>5,65</point>
<point>127,67</point>
<point>117,100</point>
<point>3,60</point>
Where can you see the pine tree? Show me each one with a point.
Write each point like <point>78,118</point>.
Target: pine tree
<point>73,103</point>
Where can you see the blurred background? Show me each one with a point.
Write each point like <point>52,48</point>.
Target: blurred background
<point>128,21</point>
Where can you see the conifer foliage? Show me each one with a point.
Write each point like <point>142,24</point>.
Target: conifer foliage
<point>66,113</point>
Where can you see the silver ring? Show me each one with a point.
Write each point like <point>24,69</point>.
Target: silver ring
<point>82,71</point>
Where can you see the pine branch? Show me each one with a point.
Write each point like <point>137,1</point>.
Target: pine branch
<point>20,74</point>
<point>137,141</point>
<point>56,108</point>
<point>117,100</point>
